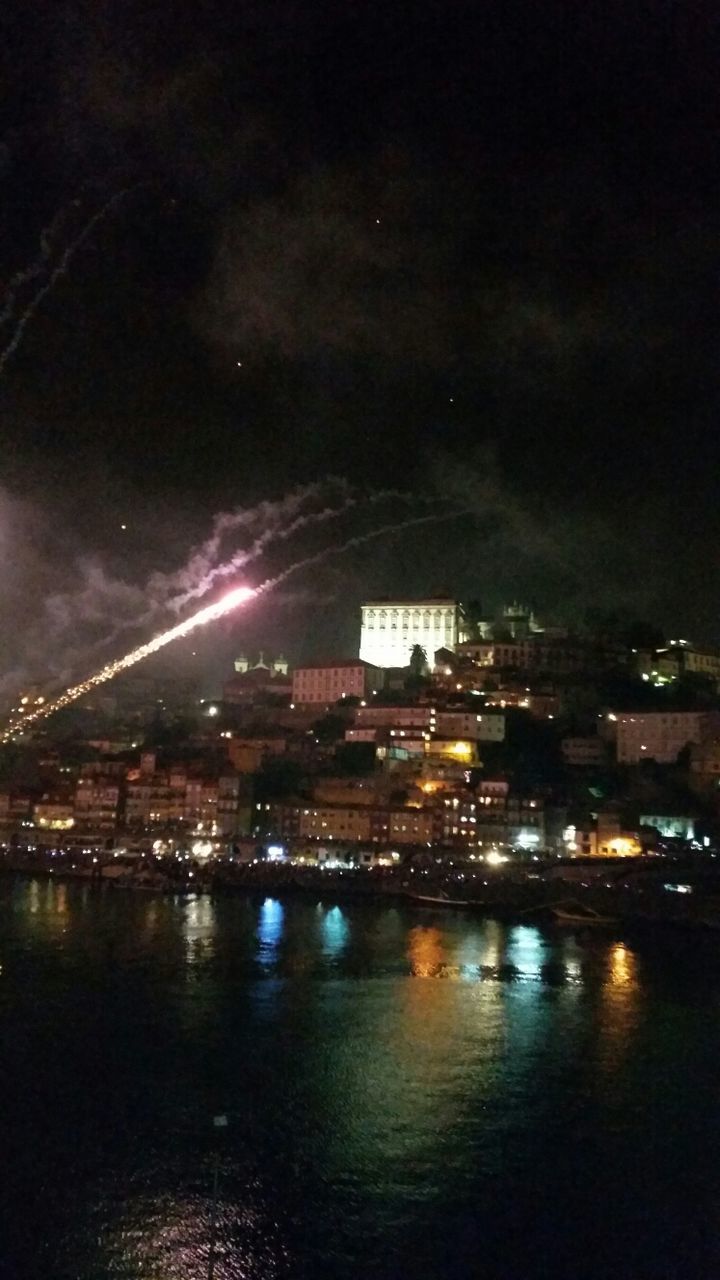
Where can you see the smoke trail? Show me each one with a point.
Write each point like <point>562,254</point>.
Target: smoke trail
<point>61,269</point>
<point>130,607</point>
<point>171,592</point>
<point>21,278</point>
<point>358,541</point>
<point>244,557</point>
<point>202,570</point>
<point>211,612</point>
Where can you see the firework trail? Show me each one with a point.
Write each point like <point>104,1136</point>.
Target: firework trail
<point>280,533</point>
<point>202,570</point>
<point>235,598</point>
<point>359,540</point>
<point>21,278</point>
<point>99,595</point>
<point>58,271</point>
<point>200,619</point>
<point>171,592</point>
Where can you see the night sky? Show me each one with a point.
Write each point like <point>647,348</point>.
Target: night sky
<point>457,248</point>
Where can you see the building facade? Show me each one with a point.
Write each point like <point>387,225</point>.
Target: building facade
<point>322,683</point>
<point>429,720</point>
<point>583,752</point>
<point>390,629</point>
<point>660,735</point>
<point>97,804</point>
<point>539,653</point>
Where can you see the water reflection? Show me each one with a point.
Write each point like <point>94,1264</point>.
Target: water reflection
<point>572,959</point>
<point>198,926</point>
<point>270,927</point>
<point>168,1235</point>
<point>49,900</point>
<point>622,965</point>
<point>335,931</point>
<point>494,936</point>
<point>380,1116</point>
<point>525,951</point>
<point>619,1006</point>
<point>34,897</point>
<point>425,952</point>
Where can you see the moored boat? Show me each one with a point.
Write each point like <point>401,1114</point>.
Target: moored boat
<point>572,912</point>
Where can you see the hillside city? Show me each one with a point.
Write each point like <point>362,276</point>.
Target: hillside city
<point>449,735</point>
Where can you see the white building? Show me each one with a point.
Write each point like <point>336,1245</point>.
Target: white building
<point>322,683</point>
<point>390,628</point>
<point>660,735</point>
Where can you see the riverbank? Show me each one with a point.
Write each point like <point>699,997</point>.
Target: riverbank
<point>516,896</point>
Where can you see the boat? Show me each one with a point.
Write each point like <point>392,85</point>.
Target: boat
<point>573,912</point>
<point>438,900</point>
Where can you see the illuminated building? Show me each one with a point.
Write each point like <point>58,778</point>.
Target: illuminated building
<point>254,680</point>
<point>678,658</point>
<point>391,628</point>
<point>660,735</point>
<point>671,826</point>
<point>347,824</point>
<point>460,724</point>
<point>600,835</point>
<point>553,655</point>
<point>54,813</point>
<point>323,683</point>
<point>361,735</point>
<point>276,667</point>
<point>393,717</point>
<point>175,800</point>
<point>200,809</point>
<point>520,620</point>
<point>701,662</point>
<point>335,822</point>
<point>462,750</point>
<point>97,803</point>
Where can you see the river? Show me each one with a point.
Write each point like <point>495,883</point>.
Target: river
<point>408,1092</point>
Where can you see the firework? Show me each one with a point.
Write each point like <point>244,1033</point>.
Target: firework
<point>210,613</point>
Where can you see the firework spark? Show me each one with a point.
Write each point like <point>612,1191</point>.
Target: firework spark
<point>210,613</point>
<point>240,595</point>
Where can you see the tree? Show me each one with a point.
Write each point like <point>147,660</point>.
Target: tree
<point>279,778</point>
<point>418,661</point>
<point>329,728</point>
<point>354,759</point>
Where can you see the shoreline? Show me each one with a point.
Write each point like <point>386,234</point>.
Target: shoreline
<point>509,902</point>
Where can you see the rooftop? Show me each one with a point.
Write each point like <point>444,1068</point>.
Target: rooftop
<point>332,664</point>
<point>404,602</point>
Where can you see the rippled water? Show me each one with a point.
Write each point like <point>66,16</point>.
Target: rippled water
<point>408,1093</point>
